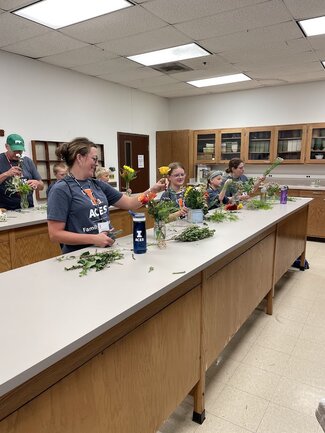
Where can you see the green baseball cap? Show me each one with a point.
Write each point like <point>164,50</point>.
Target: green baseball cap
<point>15,142</point>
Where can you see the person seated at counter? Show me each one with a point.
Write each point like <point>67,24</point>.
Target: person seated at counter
<point>13,164</point>
<point>78,206</point>
<point>235,171</point>
<point>102,174</point>
<point>217,194</point>
<point>60,170</point>
<point>175,190</point>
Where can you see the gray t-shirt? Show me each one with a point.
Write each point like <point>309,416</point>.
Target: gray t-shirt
<point>29,172</point>
<point>68,203</point>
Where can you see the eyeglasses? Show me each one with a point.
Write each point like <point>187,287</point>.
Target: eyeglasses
<point>95,159</point>
<point>178,175</point>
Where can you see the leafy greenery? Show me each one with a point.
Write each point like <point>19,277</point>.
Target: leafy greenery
<point>196,198</point>
<point>244,187</point>
<point>220,216</point>
<point>97,261</point>
<point>160,210</point>
<point>255,204</point>
<point>194,233</point>
<point>17,185</point>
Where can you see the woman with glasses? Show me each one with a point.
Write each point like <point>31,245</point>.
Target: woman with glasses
<point>175,189</point>
<point>235,170</point>
<point>78,206</point>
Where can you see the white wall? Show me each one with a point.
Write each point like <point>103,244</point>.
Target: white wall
<point>298,103</point>
<point>44,102</point>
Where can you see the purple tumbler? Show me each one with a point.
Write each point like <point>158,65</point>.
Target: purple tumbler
<point>284,194</point>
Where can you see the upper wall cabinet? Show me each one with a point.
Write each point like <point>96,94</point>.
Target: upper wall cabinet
<point>205,146</point>
<point>315,149</point>
<point>259,147</point>
<point>230,144</point>
<point>172,146</point>
<point>290,143</point>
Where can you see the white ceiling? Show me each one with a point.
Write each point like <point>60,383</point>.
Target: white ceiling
<point>257,37</point>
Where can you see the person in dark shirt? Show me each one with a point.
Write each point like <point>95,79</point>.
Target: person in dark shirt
<point>60,170</point>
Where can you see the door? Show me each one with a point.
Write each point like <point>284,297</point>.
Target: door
<point>133,150</point>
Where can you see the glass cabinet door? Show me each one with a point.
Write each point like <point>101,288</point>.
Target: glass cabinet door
<point>205,146</point>
<point>231,145</point>
<point>316,152</point>
<point>290,144</point>
<point>259,145</point>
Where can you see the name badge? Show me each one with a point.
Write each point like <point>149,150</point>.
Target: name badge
<point>103,227</point>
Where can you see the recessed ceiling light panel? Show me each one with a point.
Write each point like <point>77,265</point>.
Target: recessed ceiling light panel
<point>313,26</point>
<point>174,54</point>
<point>217,81</point>
<point>62,13</point>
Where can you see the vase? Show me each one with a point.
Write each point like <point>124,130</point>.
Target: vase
<point>195,216</point>
<point>24,201</point>
<point>127,188</point>
<point>160,233</point>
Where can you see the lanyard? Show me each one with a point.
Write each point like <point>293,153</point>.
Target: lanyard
<point>89,193</point>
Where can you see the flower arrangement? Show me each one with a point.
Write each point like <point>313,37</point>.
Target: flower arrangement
<point>245,187</point>
<point>272,189</point>
<point>19,185</point>
<point>159,210</point>
<point>128,173</point>
<point>196,198</point>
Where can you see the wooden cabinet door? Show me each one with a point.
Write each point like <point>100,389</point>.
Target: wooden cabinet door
<point>205,146</point>
<point>259,145</point>
<point>316,213</point>
<point>174,146</point>
<point>315,148</point>
<point>230,144</point>
<point>290,143</point>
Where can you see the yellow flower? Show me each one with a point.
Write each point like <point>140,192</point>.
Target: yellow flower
<point>188,189</point>
<point>240,206</point>
<point>164,170</point>
<point>128,169</point>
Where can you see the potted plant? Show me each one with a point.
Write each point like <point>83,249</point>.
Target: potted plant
<point>196,202</point>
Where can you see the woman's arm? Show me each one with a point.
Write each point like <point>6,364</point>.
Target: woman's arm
<point>57,233</point>
<point>126,202</point>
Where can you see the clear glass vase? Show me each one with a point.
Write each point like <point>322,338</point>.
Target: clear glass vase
<point>160,233</point>
<point>24,201</point>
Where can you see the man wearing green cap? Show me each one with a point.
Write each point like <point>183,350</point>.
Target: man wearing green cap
<point>12,163</point>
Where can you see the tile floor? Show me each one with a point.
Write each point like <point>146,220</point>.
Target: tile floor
<point>271,376</point>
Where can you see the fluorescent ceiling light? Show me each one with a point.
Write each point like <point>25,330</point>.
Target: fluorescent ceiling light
<point>188,51</point>
<point>216,81</point>
<point>323,62</point>
<point>313,26</point>
<point>61,13</point>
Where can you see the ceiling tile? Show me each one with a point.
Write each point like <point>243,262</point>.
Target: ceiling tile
<point>185,10</point>
<point>265,37</point>
<point>11,5</point>
<point>144,42</point>
<point>142,83</point>
<point>317,42</point>
<point>80,56</point>
<point>108,66</point>
<point>305,9</point>
<point>250,17</point>
<point>131,75</point>
<point>14,29</point>
<point>116,25</point>
<point>50,43</point>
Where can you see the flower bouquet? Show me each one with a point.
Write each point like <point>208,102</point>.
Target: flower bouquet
<point>19,185</point>
<point>196,197</point>
<point>272,190</point>
<point>159,210</point>
<point>128,173</point>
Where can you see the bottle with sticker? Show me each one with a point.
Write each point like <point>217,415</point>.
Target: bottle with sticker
<point>139,233</point>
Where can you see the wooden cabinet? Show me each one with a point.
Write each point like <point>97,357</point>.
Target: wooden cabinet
<point>44,157</point>
<point>174,146</point>
<point>316,213</point>
<point>259,145</point>
<point>315,149</point>
<point>205,146</point>
<point>230,144</point>
<point>290,143</point>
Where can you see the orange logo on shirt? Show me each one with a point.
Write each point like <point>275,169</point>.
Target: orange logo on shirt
<point>94,200</point>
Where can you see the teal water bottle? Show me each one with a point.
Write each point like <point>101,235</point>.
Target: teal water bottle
<point>139,233</point>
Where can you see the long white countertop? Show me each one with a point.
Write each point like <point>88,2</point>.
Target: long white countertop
<point>46,312</point>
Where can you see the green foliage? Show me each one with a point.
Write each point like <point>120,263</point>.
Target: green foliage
<point>244,187</point>
<point>161,209</point>
<point>97,261</point>
<point>17,185</point>
<point>255,204</point>
<point>196,198</point>
<point>220,216</point>
<point>194,233</point>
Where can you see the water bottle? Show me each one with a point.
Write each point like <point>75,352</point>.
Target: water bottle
<point>263,194</point>
<point>139,233</point>
<point>283,194</point>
